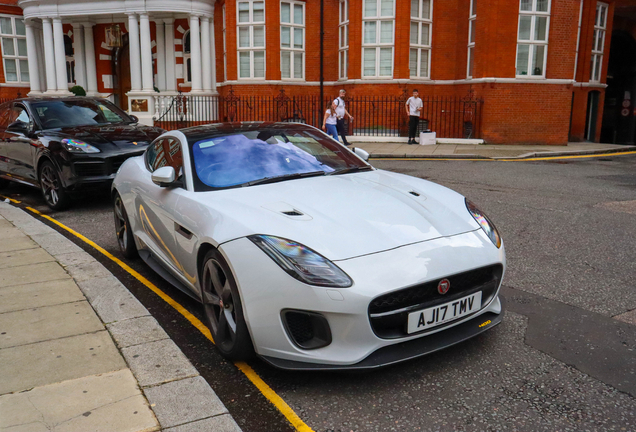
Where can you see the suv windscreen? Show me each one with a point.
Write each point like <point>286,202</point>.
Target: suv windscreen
<point>77,112</point>
<point>263,156</point>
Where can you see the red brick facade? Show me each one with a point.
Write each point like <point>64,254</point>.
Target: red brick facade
<point>550,109</point>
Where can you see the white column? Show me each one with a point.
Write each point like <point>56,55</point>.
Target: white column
<point>212,56</point>
<point>195,53</point>
<point>161,58</point>
<point>135,56</point>
<point>89,51</point>
<point>60,56</point>
<point>39,43</point>
<point>32,53</point>
<point>78,52</point>
<point>49,57</point>
<point>171,81</point>
<point>146,53</point>
<point>205,54</point>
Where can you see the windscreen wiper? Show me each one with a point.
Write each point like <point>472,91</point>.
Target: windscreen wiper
<point>351,169</point>
<point>284,177</point>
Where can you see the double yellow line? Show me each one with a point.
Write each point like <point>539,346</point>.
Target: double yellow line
<point>533,159</point>
<point>262,386</point>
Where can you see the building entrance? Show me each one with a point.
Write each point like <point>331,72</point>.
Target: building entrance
<point>619,115</point>
<point>121,68</point>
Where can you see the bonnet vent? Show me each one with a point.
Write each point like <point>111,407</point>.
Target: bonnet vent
<point>292,213</point>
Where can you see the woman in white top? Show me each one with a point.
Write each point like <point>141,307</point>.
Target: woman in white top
<point>330,120</point>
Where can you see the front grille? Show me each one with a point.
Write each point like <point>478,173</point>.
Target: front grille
<point>389,313</point>
<point>101,167</point>
<point>90,169</point>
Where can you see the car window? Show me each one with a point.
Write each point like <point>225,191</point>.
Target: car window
<point>165,152</point>
<point>251,156</point>
<point>19,113</point>
<point>77,112</point>
<point>5,110</point>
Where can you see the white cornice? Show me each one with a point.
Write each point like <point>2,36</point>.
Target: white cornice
<point>416,81</point>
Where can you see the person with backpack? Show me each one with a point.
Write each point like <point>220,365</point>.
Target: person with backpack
<point>341,111</point>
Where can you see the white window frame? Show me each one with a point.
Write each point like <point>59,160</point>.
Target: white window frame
<point>292,50</point>
<point>472,20</point>
<point>224,43</point>
<point>377,45</point>
<point>186,57</point>
<point>16,57</point>
<point>343,40</point>
<point>600,29</point>
<point>251,49</point>
<point>532,43</point>
<point>421,22</point>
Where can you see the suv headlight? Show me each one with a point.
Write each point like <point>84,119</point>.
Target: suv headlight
<point>485,223</point>
<point>301,262</point>
<point>77,146</point>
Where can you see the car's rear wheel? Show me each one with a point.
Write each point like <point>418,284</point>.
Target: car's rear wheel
<point>224,309</point>
<point>123,231</point>
<point>52,190</point>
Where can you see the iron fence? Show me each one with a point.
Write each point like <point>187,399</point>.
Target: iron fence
<point>449,117</point>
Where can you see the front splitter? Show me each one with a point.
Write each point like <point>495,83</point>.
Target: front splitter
<point>404,351</point>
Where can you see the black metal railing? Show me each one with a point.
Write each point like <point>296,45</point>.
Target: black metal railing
<point>449,117</point>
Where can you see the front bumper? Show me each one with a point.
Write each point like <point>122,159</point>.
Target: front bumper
<point>408,350</point>
<point>94,171</point>
<point>266,290</point>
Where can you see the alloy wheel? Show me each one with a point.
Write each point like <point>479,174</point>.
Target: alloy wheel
<point>219,304</point>
<point>50,185</point>
<point>121,227</point>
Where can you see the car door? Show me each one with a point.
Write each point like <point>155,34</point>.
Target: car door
<point>156,205</point>
<point>4,149</point>
<point>21,148</point>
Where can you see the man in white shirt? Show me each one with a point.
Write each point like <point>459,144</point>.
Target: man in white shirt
<point>414,106</point>
<point>340,113</point>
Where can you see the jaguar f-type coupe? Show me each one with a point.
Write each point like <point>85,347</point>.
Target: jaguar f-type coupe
<point>303,253</point>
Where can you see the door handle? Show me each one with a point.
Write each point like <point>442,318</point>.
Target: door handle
<point>183,231</point>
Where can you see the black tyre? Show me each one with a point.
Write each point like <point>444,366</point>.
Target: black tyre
<point>123,231</point>
<point>52,190</point>
<point>224,309</point>
<point>4,183</point>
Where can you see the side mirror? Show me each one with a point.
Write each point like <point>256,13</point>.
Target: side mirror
<point>362,154</point>
<point>134,118</point>
<point>164,176</point>
<point>18,126</point>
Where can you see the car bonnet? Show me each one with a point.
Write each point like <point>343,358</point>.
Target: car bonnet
<point>341,216</point>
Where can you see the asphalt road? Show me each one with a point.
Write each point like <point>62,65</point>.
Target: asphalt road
<point>561,360</point>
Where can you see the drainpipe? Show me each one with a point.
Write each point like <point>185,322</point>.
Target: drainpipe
<point>322,37</point>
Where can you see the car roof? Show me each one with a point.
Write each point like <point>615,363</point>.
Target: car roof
<point>198,133</point>
<point>52,98</point>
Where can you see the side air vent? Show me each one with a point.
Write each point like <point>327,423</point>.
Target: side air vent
<point>292,213</point>
<point>414,193</point>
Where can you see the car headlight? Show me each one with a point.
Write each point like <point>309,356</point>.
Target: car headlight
<point>301,262</point>
<point>485,223</point>
<point>77,146</point>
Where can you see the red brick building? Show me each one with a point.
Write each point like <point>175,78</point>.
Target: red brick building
<point>540,66</point>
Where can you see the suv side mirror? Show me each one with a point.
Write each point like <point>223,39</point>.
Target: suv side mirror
<point>164,176</point>
<point>18,126</point>
<point>134,118</point>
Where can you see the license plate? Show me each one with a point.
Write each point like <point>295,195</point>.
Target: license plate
<point>431,317</point>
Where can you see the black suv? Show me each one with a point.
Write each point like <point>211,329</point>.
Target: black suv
<point>64,145</point>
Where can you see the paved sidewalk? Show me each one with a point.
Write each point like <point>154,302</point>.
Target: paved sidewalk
<point>79,353</point>
<point>484,151</point>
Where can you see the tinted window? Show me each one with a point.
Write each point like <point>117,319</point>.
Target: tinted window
<point>5,110</point>
<point>252,156</point>
<point>165,152</point>
<point>18,113</point>
<point>77,112</point>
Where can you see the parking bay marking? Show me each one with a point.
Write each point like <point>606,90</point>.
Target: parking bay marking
<point>262,386</point>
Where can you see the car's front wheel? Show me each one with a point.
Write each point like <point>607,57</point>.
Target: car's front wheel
<point>3,183</point>
<point>52,190</point>
<point>123,231</point>
<point>224,309</point>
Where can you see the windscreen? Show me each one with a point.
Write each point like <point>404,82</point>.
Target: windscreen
<point>268,155</point>
<point>77,112</point>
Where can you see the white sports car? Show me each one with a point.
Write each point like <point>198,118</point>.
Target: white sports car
<point>302,252</point>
